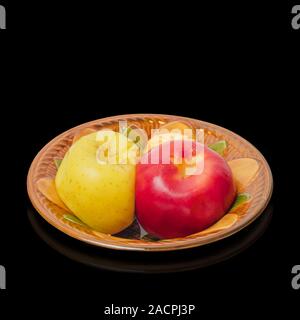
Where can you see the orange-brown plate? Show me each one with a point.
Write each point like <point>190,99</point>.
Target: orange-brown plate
<point>259,185</point>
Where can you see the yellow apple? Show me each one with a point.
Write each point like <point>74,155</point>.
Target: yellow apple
<point>96,183</point>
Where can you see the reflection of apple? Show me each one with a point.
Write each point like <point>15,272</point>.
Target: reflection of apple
<point>171,204</point>
<point>101,195</point>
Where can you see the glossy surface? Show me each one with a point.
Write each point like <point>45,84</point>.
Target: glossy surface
<point>171,204</point>
<point>135,263</point>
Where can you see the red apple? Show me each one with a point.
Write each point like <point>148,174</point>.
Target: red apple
<point>171,204</point>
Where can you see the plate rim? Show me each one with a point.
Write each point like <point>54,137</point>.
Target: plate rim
<point>150,247</point>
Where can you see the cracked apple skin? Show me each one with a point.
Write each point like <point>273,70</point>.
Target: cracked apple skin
<point>170,204</point>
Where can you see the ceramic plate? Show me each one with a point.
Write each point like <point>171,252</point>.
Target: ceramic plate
<point>251,172</point>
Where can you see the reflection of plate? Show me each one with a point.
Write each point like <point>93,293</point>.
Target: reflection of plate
<point>157,263</point>
<point>43,166</point>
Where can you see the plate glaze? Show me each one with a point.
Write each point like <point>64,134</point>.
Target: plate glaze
<point>43,166</point>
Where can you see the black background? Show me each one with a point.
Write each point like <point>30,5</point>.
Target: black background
<point>234,65</point>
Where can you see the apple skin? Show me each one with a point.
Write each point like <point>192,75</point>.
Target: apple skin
<point>102,196</point>
<point>169,205</point>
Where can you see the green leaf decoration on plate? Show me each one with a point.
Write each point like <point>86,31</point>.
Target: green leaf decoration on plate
<point>240,199</point>
<point>73,219</point>
<point>57,162</point>
<point>219,147</point>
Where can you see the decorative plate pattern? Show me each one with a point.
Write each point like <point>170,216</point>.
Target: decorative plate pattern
<point>43,166</point>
